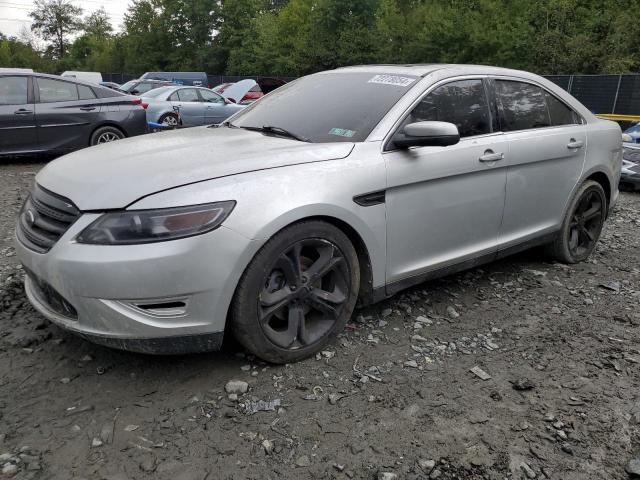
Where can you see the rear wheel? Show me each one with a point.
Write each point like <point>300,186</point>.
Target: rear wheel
<point>105,135</point>
<point>169,120</point>
<point>582,224</point>
<point>297,293</point>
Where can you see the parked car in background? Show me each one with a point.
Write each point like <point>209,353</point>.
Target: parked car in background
<point>630,174</point>
<point>261,87</point>
<point>634,133</point>
<point>111,85</point>
<point>90,77</point>
<point>349,184</point>
<point>195,79</point>
<point>15,70</point>
<point>138,87</point>
<point>196,106</point>
<point>47,113</point>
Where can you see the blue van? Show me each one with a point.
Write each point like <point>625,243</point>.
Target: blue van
<point>196,79</point>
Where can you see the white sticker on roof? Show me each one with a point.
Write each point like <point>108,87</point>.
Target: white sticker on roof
<point>392,80</point>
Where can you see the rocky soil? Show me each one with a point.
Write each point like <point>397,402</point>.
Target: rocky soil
<point>520,369</point>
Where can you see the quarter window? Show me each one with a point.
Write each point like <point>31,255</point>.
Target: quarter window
<point>188,95</point>
<point>56,91</point>
<point>523,106</point>
<point>85,92</point>
<point>13,90</point>
<point>559,112</point>
<point>463,103</point>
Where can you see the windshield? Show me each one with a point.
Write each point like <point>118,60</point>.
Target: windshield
<point>128,85</point>
<point>156,92</point>
<point>328,107</point>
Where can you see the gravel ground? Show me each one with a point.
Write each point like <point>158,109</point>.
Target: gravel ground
<point>557,348</point>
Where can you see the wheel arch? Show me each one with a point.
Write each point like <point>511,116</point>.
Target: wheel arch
<point>601,178</point>
<point>107,124</point>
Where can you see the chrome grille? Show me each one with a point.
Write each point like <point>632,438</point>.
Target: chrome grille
<point>44,218</point>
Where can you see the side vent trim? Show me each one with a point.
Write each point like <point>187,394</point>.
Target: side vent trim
<point>370,199</point>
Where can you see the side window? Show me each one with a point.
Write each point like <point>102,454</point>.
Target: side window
<point>85,92</point>
<point>56,91</point>
<point>559,112</point>
<point>188,95</point>
<point>174,97</point>
<point>463,103</point>
<point>14,90</point>
<point>144,87</point>
<point>210,97</point>
<point>523,106</point>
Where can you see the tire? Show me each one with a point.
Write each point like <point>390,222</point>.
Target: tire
<point>169,119</point>
<point>105,135</point>
<point>282,313</point>
<point>582,224</point>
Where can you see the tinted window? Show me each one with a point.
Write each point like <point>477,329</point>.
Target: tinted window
<point>523,106</point>
<point>211,97</point>
<point>128,86</point>
<point>85,92</point>
<point>462,103</point>
<point>188,95</point>
<point>144,87</point>
<point>560,113</point>
<point>329,107</point>
<point>56,91</point>
<point>13,90</point>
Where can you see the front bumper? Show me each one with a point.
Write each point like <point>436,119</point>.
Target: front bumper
<point>165,297</point>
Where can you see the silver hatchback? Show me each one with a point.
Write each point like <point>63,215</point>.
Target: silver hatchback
<point>341,186</point>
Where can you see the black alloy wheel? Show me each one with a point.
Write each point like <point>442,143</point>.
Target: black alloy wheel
<point>582,225</point>
<point>297,293</point>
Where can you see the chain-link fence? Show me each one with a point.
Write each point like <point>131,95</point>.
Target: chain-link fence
<point>618,94</point>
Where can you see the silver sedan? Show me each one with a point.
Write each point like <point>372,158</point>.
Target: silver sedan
<point>345,185</point>
<point>187,106</point>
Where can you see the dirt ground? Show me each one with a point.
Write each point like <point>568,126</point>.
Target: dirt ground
<point>394,396</point>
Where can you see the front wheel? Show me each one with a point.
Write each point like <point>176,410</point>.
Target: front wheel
<point>582,224</point>
<point>297,293</point>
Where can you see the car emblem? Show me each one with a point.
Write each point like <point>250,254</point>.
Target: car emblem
<point>30,217</point>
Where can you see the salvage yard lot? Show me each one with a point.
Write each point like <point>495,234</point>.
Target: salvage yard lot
<point>395,394</point>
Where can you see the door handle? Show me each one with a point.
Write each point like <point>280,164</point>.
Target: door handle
<point>489,156</point>
<point>87,109</point>
<point>23,111</point>
<point>573,143</point>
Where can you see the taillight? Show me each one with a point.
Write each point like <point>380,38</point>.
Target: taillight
<point>138,101</point>
<point>144,105</point>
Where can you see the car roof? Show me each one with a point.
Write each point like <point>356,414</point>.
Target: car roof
<point>422,70</point>
<point>53,77</point>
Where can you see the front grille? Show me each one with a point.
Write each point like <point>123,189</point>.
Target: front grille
<point>50,297</point>
<point>44,218</point>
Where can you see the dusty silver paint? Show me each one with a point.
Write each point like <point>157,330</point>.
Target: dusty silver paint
<point>443,205</point>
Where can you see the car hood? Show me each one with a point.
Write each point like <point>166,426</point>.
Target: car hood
<point>238,90</point>
<point>114,175</point>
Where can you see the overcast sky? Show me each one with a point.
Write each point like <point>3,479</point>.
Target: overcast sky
<point>15,13</point>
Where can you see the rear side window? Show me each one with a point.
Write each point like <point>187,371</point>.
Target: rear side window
<point>523,106</point>
<point>56,91</point>
<point>13,90</point>
<point>559,112</point>
<point>85,92</point>
<point>188,95</point>
<point>463,103</point>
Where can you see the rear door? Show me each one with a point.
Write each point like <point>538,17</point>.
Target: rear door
<point>191,108</point>
<point>65,114</point>
<point>547,143</point>
<point>17,115</point>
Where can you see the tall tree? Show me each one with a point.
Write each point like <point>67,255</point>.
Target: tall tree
<point>98,24</point>
<point>55,20</point>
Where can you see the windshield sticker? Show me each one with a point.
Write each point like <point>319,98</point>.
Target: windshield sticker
<point>392,80</point>
<point>342,132</point>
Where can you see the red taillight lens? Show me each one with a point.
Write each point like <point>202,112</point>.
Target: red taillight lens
<point>136,101</point>
<point>144,105</point>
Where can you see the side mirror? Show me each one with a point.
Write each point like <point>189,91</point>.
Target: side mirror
<point>427,134</point>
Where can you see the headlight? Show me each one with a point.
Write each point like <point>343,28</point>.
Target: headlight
<point>146,226</point>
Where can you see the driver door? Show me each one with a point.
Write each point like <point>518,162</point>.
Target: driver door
<point>445,204</point>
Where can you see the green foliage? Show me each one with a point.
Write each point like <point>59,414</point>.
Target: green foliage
<point>297,37</point>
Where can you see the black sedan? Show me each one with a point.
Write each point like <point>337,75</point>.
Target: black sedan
<point>49,114</point>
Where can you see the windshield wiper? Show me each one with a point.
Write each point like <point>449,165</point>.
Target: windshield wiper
<point>278,131</point>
